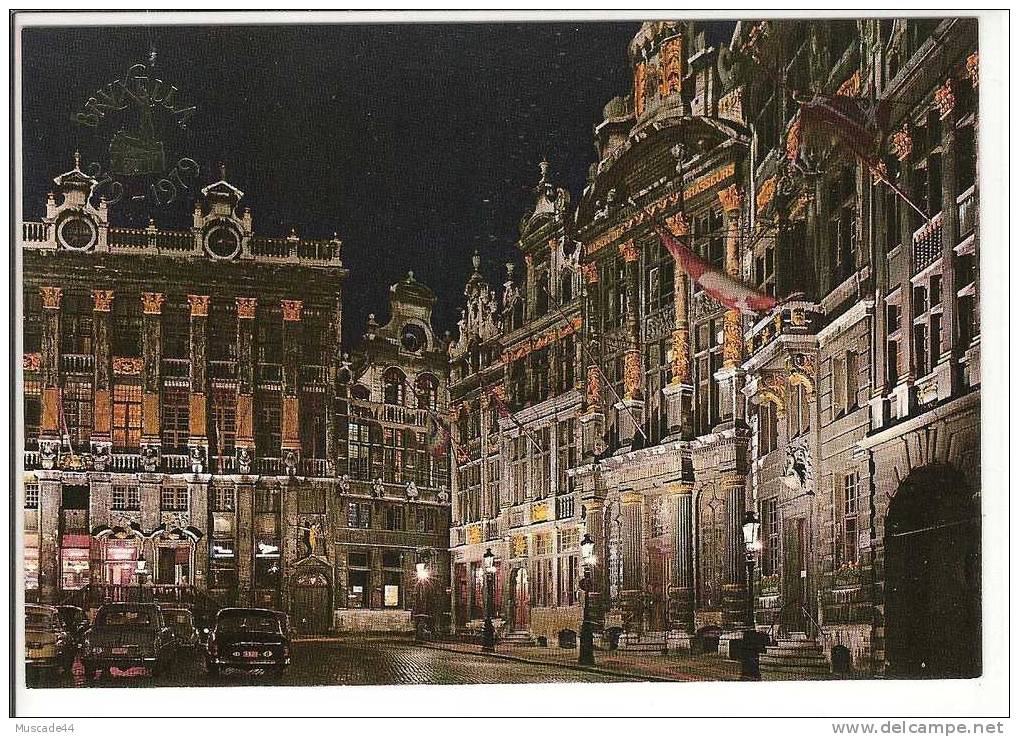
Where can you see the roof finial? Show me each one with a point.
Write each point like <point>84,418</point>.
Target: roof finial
<point>152,55</point>
<point>77,159</point>
<point>476,260</point>
<point>222,171</point>
<point>544,167</point>
<point>410,276</point>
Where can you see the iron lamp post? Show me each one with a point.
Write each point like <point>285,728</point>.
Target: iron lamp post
<point>141,572</point>
<point>753,642</point>
<point>586,656</point>
<point>488,633</point>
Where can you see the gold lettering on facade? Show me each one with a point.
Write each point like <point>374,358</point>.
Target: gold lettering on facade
<point>708,181</point>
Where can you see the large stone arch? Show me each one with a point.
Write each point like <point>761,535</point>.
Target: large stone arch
<point>932,576</point>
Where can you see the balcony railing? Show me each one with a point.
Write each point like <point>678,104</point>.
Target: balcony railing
<point>35,232</point>
<point>315,467</point>
<point>927,244</point>
<point>270,372</point>
<point>222,369</point>
<point>126,462</point>
<point>176,462</point>
<point>76,363</point>
<point>312,374</point>
<point>791,318</point>
<point>129,237</point>
<point>31,459</point>
<point>269,466</point>
<point>177,367</point>
<point>968,212</point>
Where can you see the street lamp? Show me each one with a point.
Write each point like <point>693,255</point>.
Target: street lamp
<point>141,572</point>
<point>422,599</point>
<point>586,584</point>
<point>753,642</point>
<point>488,633</point>
<point>421,571</point>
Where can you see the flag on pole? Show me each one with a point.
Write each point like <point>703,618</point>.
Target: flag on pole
<point>438,437</point>
<point>504,412</point>
<point>723,288</point>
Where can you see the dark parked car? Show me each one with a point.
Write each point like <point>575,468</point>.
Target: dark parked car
<point>126,637</point>
<point>49,647</point>
<point>182,627</point>
<point>250,640</point>
<point>75,622</point>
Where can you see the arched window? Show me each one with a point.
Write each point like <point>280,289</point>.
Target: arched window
<point>393,381</point>
<point>427,392</point>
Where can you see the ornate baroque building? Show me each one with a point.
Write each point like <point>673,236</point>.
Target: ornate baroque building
<point>186,403</point>
<point>847,418</point>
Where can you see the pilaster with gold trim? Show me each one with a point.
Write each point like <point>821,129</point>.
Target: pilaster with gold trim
<point>679,391</point>
<point>245,441</point>
<point>102,412</point>
<point>291,434</point>
<point>49,425</point>
<point>152,310</point>
<point>198,440</point>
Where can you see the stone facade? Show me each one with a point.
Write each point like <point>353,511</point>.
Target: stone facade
<point>187,403</point>
<point>847,417</point>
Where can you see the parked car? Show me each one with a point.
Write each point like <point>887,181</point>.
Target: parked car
<point>182,627</point>
<point>126,637</point>
<point>248,639</point>
<point>75,622</point>
<point>49,647</point>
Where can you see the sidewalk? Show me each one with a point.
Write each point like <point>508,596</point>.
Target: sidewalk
<point>638,665</point>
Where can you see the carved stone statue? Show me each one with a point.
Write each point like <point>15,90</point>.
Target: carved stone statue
<point>101,458</point>
<point>412,490</point>
<point>150,458</point>
<point>290,462</point>
<point>243,461</point>
<point>197,456</point>
<point>378,488</point>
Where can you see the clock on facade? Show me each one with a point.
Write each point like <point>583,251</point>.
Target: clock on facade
<point>222,240</point>
<point>413,338</point>
<point>76,232</point>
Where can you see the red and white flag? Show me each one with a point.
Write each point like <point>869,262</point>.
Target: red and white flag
<point>731,293</point>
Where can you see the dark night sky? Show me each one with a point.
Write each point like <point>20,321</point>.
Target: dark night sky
<point>416,143</point>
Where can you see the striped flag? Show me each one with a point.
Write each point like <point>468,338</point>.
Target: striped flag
<point>723,288</point>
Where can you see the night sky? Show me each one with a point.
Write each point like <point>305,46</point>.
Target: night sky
<point>416,143</point>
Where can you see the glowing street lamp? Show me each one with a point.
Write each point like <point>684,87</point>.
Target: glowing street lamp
<point>586,655</point>
<point>488,633</point>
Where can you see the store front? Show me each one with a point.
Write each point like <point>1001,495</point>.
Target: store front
<point>75,568</point>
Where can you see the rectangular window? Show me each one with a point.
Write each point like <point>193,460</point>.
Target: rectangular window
<point>359,447</point>
<point>394,517</point>
<point>767,418</point>
<point>223,499</point>
<point>31,496</point>
<point>176,411</point>
<point>268,425</point>
<point>267,499</point>
<point>852,380</point>
<point>176,336</point>
<point>224,421</point>
<point>311,500</point>
<point>174,499</point>
<point>127,417</point>
<point>850,512</point>
<point>838,381</point>
<point>126,498</point>
<point>359,515</point>
<point>770,519</point>
<point>77,405</point>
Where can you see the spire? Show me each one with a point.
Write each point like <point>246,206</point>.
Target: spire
<point>77,160</point>
<point>222,171</point>
<point>476,261</point>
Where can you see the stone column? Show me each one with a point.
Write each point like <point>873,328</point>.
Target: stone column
<point>152,309</point>
<point>198,492</point>
<point>680,584</point>
<point>49,426</point>
<point>679,391</point>
<point>594,514</point>
<point>630,411</point>
<point>730,378</point>
<point>245,440</point>
<point>102,418</point>
<point>100,499</point>
<point>633,553</point>
<point>50,493</point>
<point>734,488</point>
<point>245,541</point>
<point>592,420</point>
<point>949,376</point>
<point>291,430</point>
<point>198,439</point>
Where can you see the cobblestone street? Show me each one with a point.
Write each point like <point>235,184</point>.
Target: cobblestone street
<point>363,662</point>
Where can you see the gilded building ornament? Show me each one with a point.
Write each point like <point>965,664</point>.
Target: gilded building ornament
<point>973,68</point>
<point>677,224</point>
<point>709,180</point>
<point>31,361</point>
<point>772,389</point>
<point>851,87</point>
<point>590,273</point>
<point>766,193</point>
<point>793,140</point>
<point>127,366</point>
<point>944,98</point>
<point>731,199</point>
<point>680,356</point>
<point>199,305</point>
<point>632,374</point>
<point>671,66</point>
<point>152,303</point>
<point>102,300</point>
<point>628,250</point>
<point>292,310</point>
<point>732,339</point>
<point>639,78</point>
<point>801,371</point>
<point>51,297</point>
<point>593,390</point>
<point>902,144</point>
<point>246,307</point>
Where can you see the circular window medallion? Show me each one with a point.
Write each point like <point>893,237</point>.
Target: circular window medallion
<point>76,232</point>
<point>413,338</point>
<point>222,240</point>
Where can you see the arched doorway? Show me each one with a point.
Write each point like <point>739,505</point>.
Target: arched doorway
<point>312,606</point>
<point>932,577</point>
<point>520,601</point>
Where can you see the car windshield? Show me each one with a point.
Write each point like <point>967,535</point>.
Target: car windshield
<point>39,621</point>
<point>251,622</point>
<point>126,618</point>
